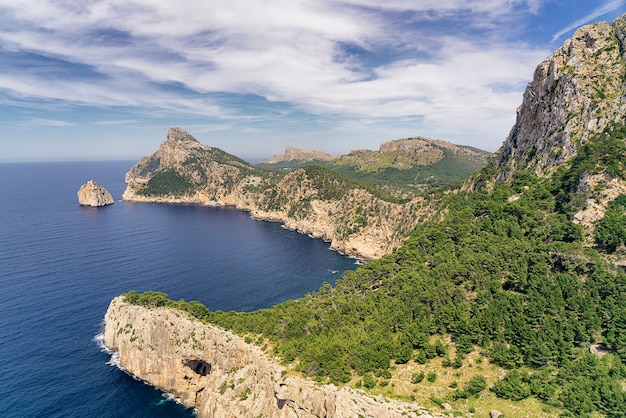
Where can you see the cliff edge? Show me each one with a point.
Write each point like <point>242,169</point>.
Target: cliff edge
<point>576,99</point>
<point>575,94</point>
<point>220,375</point>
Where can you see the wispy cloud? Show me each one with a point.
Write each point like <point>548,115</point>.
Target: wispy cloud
<point>49,122</point>
<point>116,122</point>
<point>607,7</point>
<point>442,62</point>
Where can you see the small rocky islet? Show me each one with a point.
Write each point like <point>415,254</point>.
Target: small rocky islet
<point>93,194</point>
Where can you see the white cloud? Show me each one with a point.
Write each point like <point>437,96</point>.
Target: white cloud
<point>175,55</point>
<point>49,122</point>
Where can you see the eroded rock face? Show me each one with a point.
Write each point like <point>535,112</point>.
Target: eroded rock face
<point>220,375</point>
<point>93,194</point>
<point>575,93</point>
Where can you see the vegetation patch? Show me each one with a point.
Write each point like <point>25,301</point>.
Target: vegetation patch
<point>167,182</point>
<point>605,152</point>
<point>610,232</point>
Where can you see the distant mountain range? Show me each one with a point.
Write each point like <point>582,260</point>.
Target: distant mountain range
<point>403,167</point>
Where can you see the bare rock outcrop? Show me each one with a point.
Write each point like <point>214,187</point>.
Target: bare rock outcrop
<point>93,194</point>
<point>220,375</point>
<point>576,93</point>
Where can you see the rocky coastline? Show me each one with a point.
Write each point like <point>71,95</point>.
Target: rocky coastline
<point>221,375</point>
<point>357,223</point>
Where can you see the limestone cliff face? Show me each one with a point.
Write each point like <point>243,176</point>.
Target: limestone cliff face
<point>575,93</point>
<point>221,375</point>
<point>93,194</point>
<point>310,201</point>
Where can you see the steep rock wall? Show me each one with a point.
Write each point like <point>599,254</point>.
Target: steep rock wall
<point>576,92</point>
<point>220,375</point>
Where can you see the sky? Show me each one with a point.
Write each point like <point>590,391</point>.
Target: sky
<point>104,79</point>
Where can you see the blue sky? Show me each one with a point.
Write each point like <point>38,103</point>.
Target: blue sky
<point>104,79</point>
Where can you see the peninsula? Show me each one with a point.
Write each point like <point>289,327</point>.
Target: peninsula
<point>356,218</point>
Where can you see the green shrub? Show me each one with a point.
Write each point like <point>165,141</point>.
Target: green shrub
<point>417,377</point>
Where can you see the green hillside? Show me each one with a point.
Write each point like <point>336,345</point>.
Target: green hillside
<point>403,172</point>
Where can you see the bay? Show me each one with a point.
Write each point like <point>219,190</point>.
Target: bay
<point>61,264</point>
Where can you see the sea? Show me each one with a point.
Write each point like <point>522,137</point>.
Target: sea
<point>62,263</point>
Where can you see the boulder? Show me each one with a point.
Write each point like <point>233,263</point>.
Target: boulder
<point>93,194</point>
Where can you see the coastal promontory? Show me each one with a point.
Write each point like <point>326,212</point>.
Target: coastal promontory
<point>495,295</point>
<point>329,202</point>
<point>221,375</point>
<point>93,194</point>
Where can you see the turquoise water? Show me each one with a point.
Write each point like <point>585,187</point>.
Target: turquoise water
<point>61,264</point>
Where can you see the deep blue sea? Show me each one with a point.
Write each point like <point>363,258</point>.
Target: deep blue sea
<point>61,264</point>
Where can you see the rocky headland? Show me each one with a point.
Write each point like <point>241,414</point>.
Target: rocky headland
<point>311,200</point>
<point>576,94</point>
<point>93,194</point>
<point>220,375</point>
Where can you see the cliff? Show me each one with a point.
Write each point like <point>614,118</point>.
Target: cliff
<point>93,194</point>
<point>221,375</point>
<point>311,200</point>
<point>576,98</point>
<point>575,94</point>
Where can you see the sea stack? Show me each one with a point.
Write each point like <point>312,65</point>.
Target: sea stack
<point>93,194</point>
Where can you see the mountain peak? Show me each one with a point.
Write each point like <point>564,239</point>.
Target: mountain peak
<point>176,135</point>
<point>575,94</point>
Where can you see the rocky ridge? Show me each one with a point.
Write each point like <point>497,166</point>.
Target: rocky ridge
<point>220,375</point>
<point>406,153</point>
<point>93,194</point>
<point>308,200</point>
<point>575,93</point>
